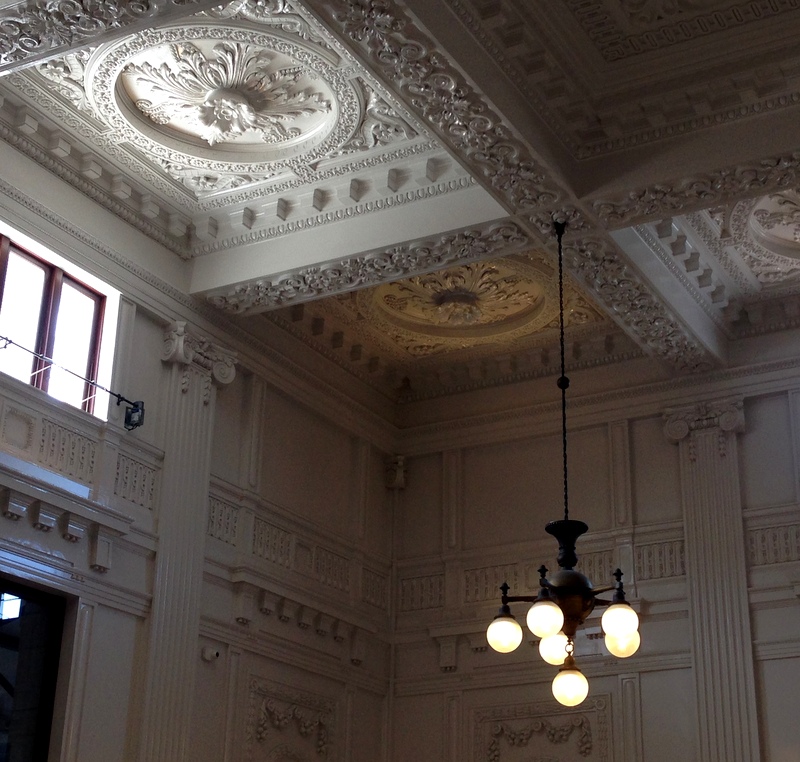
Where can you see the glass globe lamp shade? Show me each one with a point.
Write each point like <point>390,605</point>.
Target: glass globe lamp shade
<point>504,634</point>
<point>545,618</point>
<point>620,620</point>
<point>553,649</point>
<point>625,646</point>
<point>570,686</point>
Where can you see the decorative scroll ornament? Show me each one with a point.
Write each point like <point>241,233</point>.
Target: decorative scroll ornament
<point>67,74</point>
<point>780,213</point>
<point>622,292</point>
<point>381,126</point>
<point>182,347</point>
<point>726,415</point>
<point>224,94</point>
<point>63,22</point>
<point>372,269</point>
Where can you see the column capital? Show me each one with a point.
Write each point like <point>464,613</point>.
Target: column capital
<point>726,415</point>
<point>181,346</point>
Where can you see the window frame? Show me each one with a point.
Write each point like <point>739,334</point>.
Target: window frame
<point>55,278</point>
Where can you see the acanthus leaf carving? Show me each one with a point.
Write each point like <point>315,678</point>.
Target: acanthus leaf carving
<point>372,268</point>
<point>226,93</point>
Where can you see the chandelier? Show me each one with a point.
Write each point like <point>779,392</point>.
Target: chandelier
<point>567,597</point>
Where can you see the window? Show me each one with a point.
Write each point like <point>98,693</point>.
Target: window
<point>54,309</point>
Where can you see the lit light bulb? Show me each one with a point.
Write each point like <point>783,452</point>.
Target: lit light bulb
<point>570,686</point>
<point>620,620</point>
<point>624,646</point>
<point>545,618</point>
<point>504,634</point>
<point>553,649</point>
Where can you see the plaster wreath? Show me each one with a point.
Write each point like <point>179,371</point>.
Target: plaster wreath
<point>227,93</point>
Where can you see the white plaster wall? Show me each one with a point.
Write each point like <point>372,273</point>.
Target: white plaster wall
<point>363,607</point>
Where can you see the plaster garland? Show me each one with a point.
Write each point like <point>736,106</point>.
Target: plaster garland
<point>373,268</point>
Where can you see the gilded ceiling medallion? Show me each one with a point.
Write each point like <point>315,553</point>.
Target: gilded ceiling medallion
<point>473,307</point>
<point>481,294</point>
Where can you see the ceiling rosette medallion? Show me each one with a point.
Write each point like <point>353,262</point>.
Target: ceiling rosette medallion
<point>225,99</point>
<point>479,304</point>
<point>227,94</point>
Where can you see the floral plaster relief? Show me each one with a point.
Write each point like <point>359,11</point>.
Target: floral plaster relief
<point>228,92</point>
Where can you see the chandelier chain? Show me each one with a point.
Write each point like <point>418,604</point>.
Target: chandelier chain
<point>563,381</point>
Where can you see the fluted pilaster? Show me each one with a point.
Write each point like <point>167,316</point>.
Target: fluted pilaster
<point>716,570</point>
<point>195,367</point>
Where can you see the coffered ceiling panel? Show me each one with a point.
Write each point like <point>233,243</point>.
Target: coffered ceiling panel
<point>380,178</point>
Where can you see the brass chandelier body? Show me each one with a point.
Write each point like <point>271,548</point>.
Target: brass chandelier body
<point>567,597</point>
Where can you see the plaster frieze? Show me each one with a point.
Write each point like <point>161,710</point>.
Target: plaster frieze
<point>373,268</point>
<point>700,191</point>
<point>625,296</point>
<point>48,27</point>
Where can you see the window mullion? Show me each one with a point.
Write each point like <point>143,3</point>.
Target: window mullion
<point>47,328</point>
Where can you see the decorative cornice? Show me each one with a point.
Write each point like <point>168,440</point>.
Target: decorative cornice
<point>373,268</point>
<point>624,295</point>
<point>48,27</point>
<point>656,24</point>
<point>447,102</point>
<point>187,349</point>
<point>323,218</point>
<point>701,191</point>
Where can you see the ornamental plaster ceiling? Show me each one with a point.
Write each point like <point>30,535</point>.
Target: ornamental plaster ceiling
<point>379,178</point>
